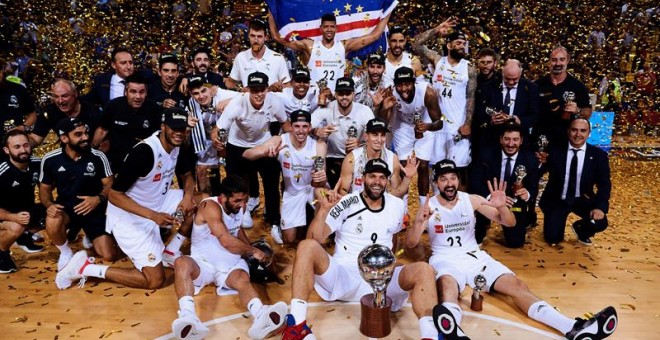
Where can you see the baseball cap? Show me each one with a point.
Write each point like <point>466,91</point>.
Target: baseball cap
<point>376,58</point>
<point>442,167</point>
<point>300,74</point>
<point>195,82</point>
<point>67,125</point>
<point>404,74</point>
<point>376,165</point>
<point>456,35</point>
<point>257,79</point>
<point>301,116</point>
<point>168,58</point>
<point>345,84</point>
<point>175,118</point>
<point>377,124</point>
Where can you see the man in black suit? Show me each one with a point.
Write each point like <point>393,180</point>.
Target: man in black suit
<point>574,170</point>
<point>110,85</point>
<point>514,99</point>
<point>508,164</point>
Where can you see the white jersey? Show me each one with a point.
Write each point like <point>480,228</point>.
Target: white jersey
<point>451,232</point>
<point>205,245</point>
<point>450,82</point>
<point>358,117</point>
<point>308,103</point>
<point>247,126</point>
<point>388,76</point>
<point>356,226</point>
<point>404,112</point>
<point>149,191</point>
<point>297,165</point>
<point>327,63</point>
<point>360,160</point>
<point>271,63</point>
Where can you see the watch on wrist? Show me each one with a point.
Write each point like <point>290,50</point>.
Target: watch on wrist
<point>28,128</point>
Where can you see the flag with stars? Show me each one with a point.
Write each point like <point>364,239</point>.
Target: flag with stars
<point>299,19</point>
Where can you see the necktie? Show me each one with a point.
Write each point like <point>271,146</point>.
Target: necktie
<point>572,178</point>
<point>507,101</point>
<point>507,171</point>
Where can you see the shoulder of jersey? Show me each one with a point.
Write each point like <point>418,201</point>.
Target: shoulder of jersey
<point>4,166</point>
<point>52,153</point>
<point>34,158</point>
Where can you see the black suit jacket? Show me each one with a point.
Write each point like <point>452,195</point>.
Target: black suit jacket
<point>595,184</point>
<point>489,166</point>
<point>99,95</point>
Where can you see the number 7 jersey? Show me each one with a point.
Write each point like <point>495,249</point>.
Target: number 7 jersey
<point>450,83</point>
<point>451,231</point>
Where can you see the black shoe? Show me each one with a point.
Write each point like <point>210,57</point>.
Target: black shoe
<point>26,243</point>
<point>446,325</point>
<point>578,230</point>
<point>7,264</point>
<point>597,327</point>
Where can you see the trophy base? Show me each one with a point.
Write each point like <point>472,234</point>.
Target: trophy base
<point>477,304</point>
<point>375,321</point>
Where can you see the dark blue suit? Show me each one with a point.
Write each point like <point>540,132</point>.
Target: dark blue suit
<point>99,95</point>
<point>595,175</point>
<point>489,166</point>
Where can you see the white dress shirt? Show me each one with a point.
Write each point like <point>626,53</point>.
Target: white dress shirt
<point>580,157</point>
<point>116,87</point>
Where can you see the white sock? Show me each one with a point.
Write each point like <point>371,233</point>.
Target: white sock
<point>422,200</point>
<point>299,310</point>
<point>541,311</point>
<point>64,249</point>
<point>455,311</point>
<point>175,244</point>
<point>254,306</point>
<point>187,305</point>
<point>95,270</point>
<point>427,328</point>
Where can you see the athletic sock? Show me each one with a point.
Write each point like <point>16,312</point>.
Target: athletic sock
<point>187,305</point>
<point>455,311</point>
<point>299,310</point>
<point>541,311</point>
<point>254,306</point>
<point>175,244</point>
<point>427,328</point>
<point>64,249</point>
<point>95,270</point>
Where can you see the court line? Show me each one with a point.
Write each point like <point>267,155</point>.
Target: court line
<point>337,303</point>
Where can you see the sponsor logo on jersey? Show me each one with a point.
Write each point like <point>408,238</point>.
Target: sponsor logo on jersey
<point>287,165</point>
<point>151,257</point>
<point>439,229</point>
<point>145,124</point>
<point>90,167</point>
<point>159,165</point>
<point>318,63</point>
<point>157,177</point>
<point>358,181</point>
<point>61,169</point>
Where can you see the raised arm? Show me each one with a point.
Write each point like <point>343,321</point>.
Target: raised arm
<point>303,46</point>
<point>419,41</point>
<point>355,44</point>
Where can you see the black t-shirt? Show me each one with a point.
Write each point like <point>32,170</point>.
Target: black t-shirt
<point>15,104</point>
<point>551,102</point>
<point>89,114</point>
<point>72,178</point>
<point>211,78</point>
<point>126,126</point>
<point>17,186</point>
<point>140,161</point>
<point>158,94</point>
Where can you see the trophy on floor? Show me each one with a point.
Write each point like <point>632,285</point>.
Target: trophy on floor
<point>520,172</point>
<point>376,264</point>
<point>477,299</point>
<point>569,97</point>
<point>542,143</point>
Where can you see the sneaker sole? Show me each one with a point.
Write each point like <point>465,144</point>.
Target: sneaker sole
<point>28,250</point>
<point>184,329</point>
<point>606,322</point>
<point>276,318</point>
<point>578,237</point>
<point>8,271</point>
<point>446,324</point>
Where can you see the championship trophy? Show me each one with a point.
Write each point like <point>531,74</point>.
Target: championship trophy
<point>477,303</point>
<point>542,143</point>
<point>458,137</point>
<point>8,125</point>
<point>520,172</point>
<point>569,97</point>
<point>376,264</point>
<point>259,271</point>
<point>417,118</point>
<point>352,132</point>
<point>178,218</point>
<point>323,97</point>
<point>319,165</point>
<point>223,137</point>
<point>491,111</point>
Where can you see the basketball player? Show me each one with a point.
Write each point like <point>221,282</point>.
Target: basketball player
<point>449,219</point>
<point>301,95</point>
<point>218,245</point>
<point>359,219</point>
<point>141,201</point>
<point>396,57</point>
<point>326,58</point>
<point>297,154</point>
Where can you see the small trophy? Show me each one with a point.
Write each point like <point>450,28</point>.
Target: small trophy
<point>569,97</point>
<point>542,143</point>
<point>352,132</point>
<point>323,97</point>
<point>260,271</point>
<point>223,137</point>
<point>417,118</point>
<point>491,111</point>
<point>520,172</point>
<point>178,218</point>
<point>477,303</point>
<point>319,165</point>
<point>376,264</point>
<point>458,137</point>
<point>8,125</point>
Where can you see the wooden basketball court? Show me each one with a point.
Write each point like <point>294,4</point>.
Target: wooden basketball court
<point>621,269</point>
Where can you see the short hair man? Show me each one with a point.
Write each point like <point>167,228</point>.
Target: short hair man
<point>17,109</point>
<point>301,95</point>
<point>219,246</point>
<point>449,219</point>
<point>396,56</point>
<point>164,91</point>
<point>201,63</point>
<point>110,85</point>
<point>141,201</point>
<point>18,211</point>
<point>371,87</point>
<point>82,178</point>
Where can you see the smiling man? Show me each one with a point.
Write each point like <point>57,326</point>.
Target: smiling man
<point>371,86</point>
<point>164,91</point>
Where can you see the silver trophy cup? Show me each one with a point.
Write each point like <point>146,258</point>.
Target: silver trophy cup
<point>543,143</point>
<point>479,286</point>
<point>376,264</point>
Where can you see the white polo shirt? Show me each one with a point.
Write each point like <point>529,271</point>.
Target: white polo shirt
<point>359,116</point>
<point>308,103</point>
<point>247,126</point>
<point>272,64</point>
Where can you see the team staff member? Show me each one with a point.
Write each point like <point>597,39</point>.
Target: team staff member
<point>164,91</point>
<point>201,63</point>
<point>16,106</point>
<point>127,120</point>
<point>18,211</point>
<point>141,201</point>
<point>82,178</point>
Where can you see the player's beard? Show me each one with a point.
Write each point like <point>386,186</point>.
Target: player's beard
<point>81,147</point>
<point>21,158</point>
<point>446,197</point>
<point>456,54</point>
<point>374,196</point>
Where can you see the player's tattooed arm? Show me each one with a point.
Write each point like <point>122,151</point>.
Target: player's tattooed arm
<point>465,130</point>
<point>419,46</point>
<point>432,106</point>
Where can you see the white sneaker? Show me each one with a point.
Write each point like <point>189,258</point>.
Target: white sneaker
<point>189,327</point>
<point>253,203</point>
<point>269,320</point>
<point>63,260</point>
<point>276,233</point>
<point>169,258</point>
<point>86,243</point>
<point>73,270</point>
<point>247,222</point>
